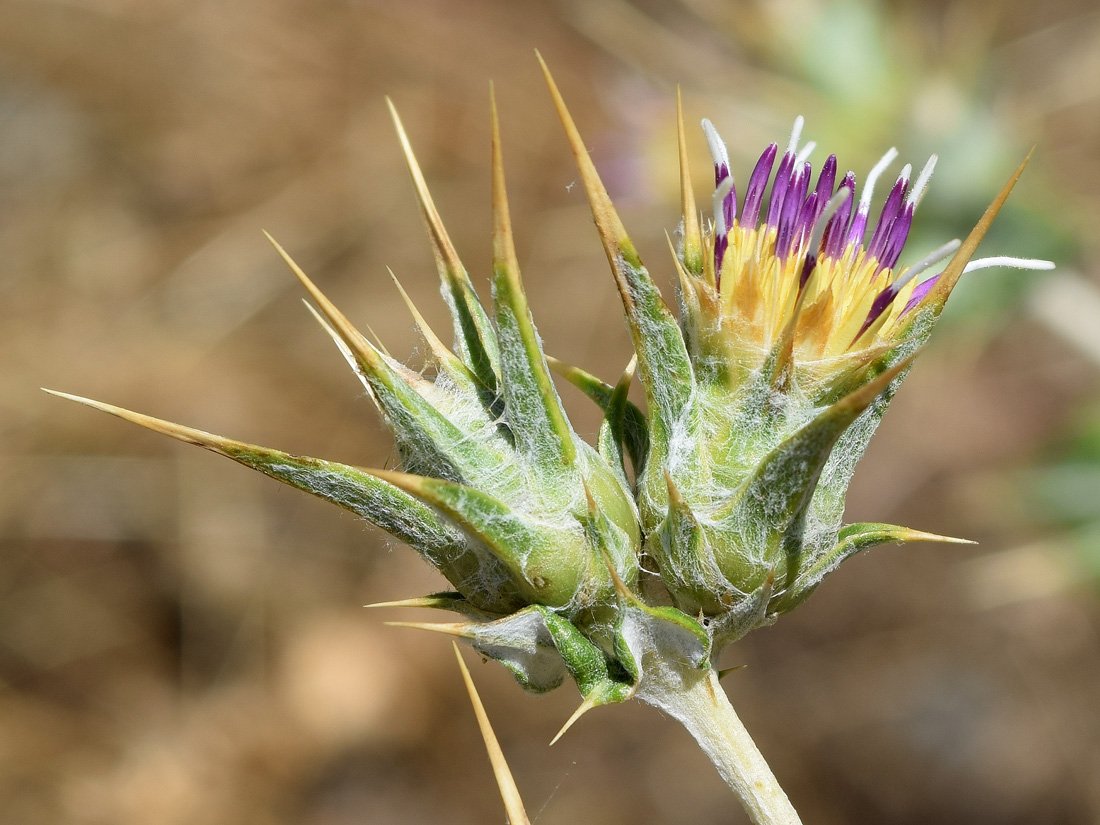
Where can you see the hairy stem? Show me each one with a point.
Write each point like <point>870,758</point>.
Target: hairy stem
<point>697,701</point>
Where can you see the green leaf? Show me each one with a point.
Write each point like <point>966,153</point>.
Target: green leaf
<point>475,340</point>
<point>587,664</point>
<point>616,546</point>
<point>660,636</point>
<point>534,411</point>
<point>538,646</point>
<point>624,424</point>
<point>852,539</point>
<point>747,613</point>
<point>685,561</point>
<point>446,361</point>
<point>666,370</point>
<point>766,514</point>
<point>827,506</point>
<point>466,563</point>
<point>429,440</point>
<point>549,564</point>
<point>691,243</point>
<point>630,422</point>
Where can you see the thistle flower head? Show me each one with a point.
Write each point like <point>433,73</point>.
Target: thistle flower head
<point>797,324</point>
<point>796,327</point>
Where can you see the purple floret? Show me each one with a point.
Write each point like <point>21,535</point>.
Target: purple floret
<point>793,199</point>
<point>780,185</point>
<point>804,223</point>
<point>858,227</point>
<point>721,243</point>
<point>729,203</point>
<point>758,182</point>
<point>836,233</point>
<point>922,289</point>
<point>895,240</point>
<point>886,219</point>
<point>825,182</point>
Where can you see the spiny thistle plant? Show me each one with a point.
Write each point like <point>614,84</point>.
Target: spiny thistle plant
<point>629,565</point>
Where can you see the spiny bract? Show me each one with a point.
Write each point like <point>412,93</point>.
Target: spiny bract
<point>792,338</point>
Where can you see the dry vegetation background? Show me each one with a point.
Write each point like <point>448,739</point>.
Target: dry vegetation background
<point>182,641</point>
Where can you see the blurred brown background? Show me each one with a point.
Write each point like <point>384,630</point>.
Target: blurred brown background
<point>182,641</point>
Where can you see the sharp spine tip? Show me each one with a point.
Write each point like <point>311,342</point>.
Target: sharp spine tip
<point>418,601</point>
<point>722,674</point>
<point>458,629</point>
<point>585,706</point>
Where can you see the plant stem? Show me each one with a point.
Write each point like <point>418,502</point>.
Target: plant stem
<point>698,702</point>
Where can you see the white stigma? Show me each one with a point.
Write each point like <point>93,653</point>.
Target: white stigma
<point>926,263</point>
<point>873,176</point>
<point>835,202</point>
<point>1012,263</point>
<point>796,133</point>
<point>807,150</point>
<point>922,181</point>
<point>717,146</point>
<point>720,192</point>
